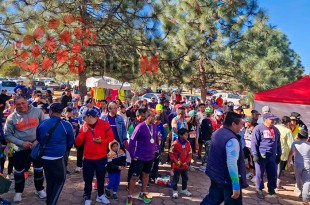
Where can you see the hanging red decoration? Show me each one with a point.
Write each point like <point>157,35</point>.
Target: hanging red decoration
<point>87,32</point>
<point>76,64</point>
<point>85,42</point>
<point>53,24</point>
<point>80,19</point>
<point>78,33</point>
<point>39,33</point>
<point>93,36</point>
<point>34,67</point>
<point>16,62</point>
<point>24,55</point>
<point>143,64</point>
<point>76,48</point>
<point>50,44</point>
<point>18,44</point>
<point>62,56</point>
<point>68,19</point>
<point>46,63</point>
<point>27,40</point>
<point>24,66</point>
<point>36,50</point>
<point>154,64</point>
<point>65,37</point>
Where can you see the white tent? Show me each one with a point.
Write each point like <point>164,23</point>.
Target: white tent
<point>107,82</point>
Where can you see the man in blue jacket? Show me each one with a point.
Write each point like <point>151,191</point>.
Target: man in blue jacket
<point>61,140</point>
<point>266,151</point>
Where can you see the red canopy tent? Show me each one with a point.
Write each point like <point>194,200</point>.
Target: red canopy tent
<point>293,97</point>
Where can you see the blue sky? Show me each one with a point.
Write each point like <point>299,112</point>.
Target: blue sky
<point>292,17</point>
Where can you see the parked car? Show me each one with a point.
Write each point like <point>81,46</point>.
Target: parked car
<point>190,97</point>
<point>232,99</point>
<point>148,96</point>
<point>52,84</point>
<point>40,85</point>
<point>8,85</point>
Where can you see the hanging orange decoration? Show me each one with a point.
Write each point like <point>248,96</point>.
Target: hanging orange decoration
<point>76,48</point>
<point>16,62</point>
<point>143,64</point>
<point>53,24</point>
<point>36,50</point>
<point>68,19</point>
<point>34,67</point>
<point>87,32</point>
<point>46,63</point>
<point>80,19</point>
<point>50,44</point>
<point>62,56</point>
<point>24,55</point>
<point>24,66</point>
<point>74,68</point>
<point>154,64</point>
<point>149,67</point>
<point>39,33</point>
<point>78,33</point>
<point>65,37</point>
<point>85,42</point>
<point>27,40</point>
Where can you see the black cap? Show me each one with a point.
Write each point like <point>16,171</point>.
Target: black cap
<point>56,107</point>
<point>303,134</point>
<point>296,114</point>
<point>251,120</point>
<point>255,112</point>
<point>3,90</point>
<point>87,101</point>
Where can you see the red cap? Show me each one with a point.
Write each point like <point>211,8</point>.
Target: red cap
<point>177,106</point>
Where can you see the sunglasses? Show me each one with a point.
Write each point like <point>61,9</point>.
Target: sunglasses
<point>11,103</point>
<point>39,95</point>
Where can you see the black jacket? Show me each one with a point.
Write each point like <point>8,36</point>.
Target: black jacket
<point>206,129</point>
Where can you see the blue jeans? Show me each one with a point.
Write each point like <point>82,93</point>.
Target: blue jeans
<point>114,181</point>
<point>219,193</point>
<point>90,166</point>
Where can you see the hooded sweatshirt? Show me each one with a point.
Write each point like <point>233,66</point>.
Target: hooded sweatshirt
<point>115,159</point>
<point>21,127</point>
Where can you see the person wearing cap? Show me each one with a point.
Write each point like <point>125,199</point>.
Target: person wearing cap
<point>255,114</point>
<point>217,120</point>
<point>22,88</point>
<point>167,108</point>
<point>45,111</point>
<point>266,151</point>
<point>178,122</point>
<point>286,139</point>
<point>193,133</point>
<point>265,109</point>
<point>225,166</point>
<point>75,107</point>
<point>19,91</point>
<point>104,107</point>
<point>3,98</point>
<point>162,97</point>
<point>204,139</point>
<point>294,126</point>
<point>299,121</point>
<point>117,124</point>
<point>49,97</point>
<point>201,114</point>
<point>249,125</point>
<point>238,109</point>
<point>53,158</point>
<point>89,104</point>
<point>163,116</point>
<point>153,103</point>
<point>38,100</point>
<point>142,147</point>
<point>96,134</point>
<point>66,97</point>
<point>301,151</point>
<point>30,89</point>
<point>20,130</point>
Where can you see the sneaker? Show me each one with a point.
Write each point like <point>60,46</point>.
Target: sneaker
<point>78,169</point>
<point>87,202</point>
<point>41,194</point>
<point>249,175</point>
<point>271,192</point>
<point>103,199</point>
<point>140,182</point>
<point>190,168</point>
<point>26,175</point>
<point>17,197</point>
<point>114,197</point>
<point>129,201</point>
<point>95,184</point>
<point>143,197</point>
<point>186,192</point>
<point>259,194</point>
<point>107,193</point>
<point>4,202</point>
<point>175,194</point>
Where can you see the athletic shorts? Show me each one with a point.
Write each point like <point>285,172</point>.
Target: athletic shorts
<point>139,166</point>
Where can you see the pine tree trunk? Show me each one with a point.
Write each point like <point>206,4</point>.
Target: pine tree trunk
<point>203,80</point>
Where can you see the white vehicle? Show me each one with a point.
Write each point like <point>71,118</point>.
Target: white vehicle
<point>231,98</point>
<point>40,85</point>
<point>148,97</point>
<point>8,85</point>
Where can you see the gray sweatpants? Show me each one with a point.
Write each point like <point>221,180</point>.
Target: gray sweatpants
<point>302,176</point>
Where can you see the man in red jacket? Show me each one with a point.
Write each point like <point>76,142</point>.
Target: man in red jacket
<point>96,135</point>
<point>181,155</point>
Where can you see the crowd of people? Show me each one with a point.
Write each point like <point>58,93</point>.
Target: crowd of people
<point>112,135</point>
